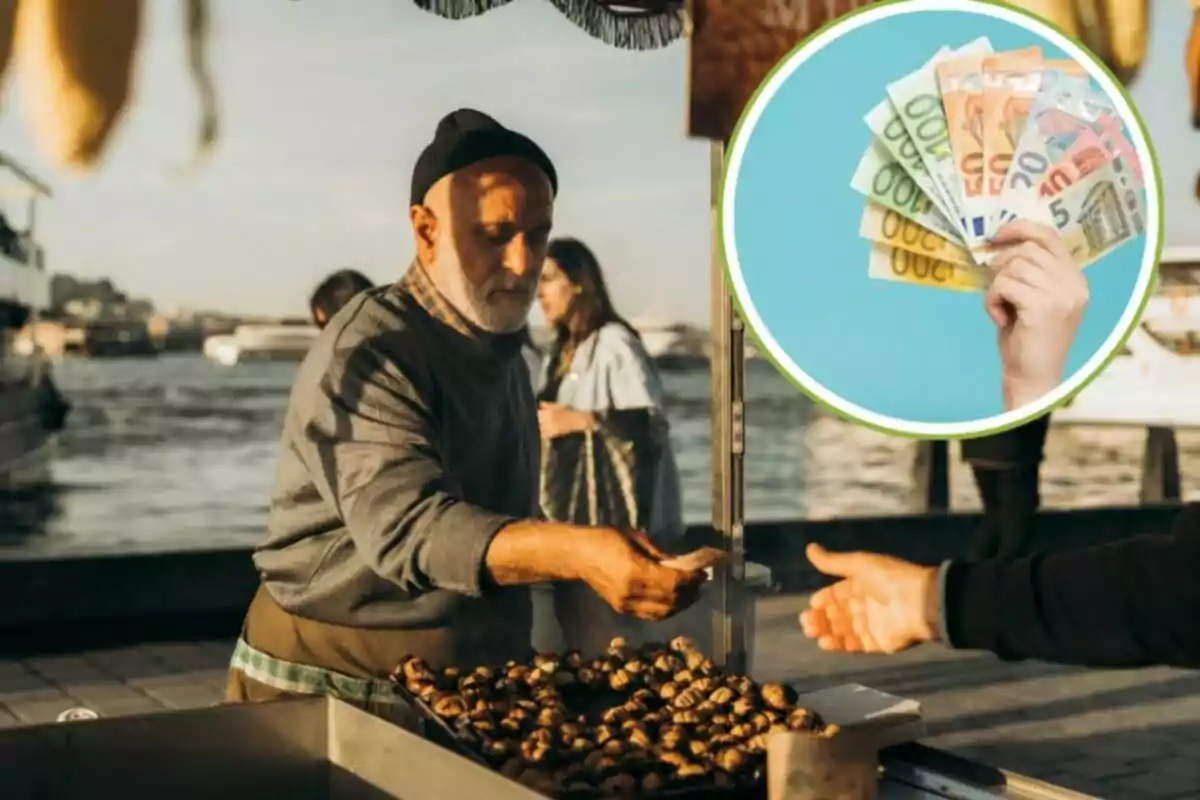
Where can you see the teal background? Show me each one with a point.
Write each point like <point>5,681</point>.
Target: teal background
<point>907,352</point>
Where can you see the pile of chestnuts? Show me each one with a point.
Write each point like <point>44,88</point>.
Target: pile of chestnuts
<point>631,722</point>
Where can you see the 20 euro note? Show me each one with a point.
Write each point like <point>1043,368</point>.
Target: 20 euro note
<point>918,101</point>
<point>880,178</point>
<point>1010,82</point>
<point>1064,109</point>
<point>885,122</point>
<point>887,263</point>
<point>885,226</point>
<point>961,83</point>
<point>1096,214</point>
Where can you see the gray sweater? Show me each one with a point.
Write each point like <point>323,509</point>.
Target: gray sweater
<point>410,440</point>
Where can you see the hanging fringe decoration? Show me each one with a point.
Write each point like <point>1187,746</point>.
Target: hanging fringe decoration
<point>628,31</point>
<point>197,26</point>
<point>459,9</point>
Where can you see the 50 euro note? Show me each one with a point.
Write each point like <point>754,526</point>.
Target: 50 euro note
<point>887,263</point>
<point>882,225</point>
<point>881,179</point>
<point>961,83</point>
<point>918,101</point>
<point>1094,215</point>
<point>1065,108</point>
<point>1010,82</point>
<point>885,122</point>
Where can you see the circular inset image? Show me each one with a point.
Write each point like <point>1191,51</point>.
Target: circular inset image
<point>941,218</point>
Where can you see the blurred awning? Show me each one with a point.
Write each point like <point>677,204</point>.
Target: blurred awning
<point>627,24</point>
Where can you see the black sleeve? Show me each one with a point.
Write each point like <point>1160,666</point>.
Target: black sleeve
<point>1126,604</point>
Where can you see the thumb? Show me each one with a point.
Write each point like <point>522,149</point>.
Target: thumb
<point>839,565</point>
<point>645,543</point>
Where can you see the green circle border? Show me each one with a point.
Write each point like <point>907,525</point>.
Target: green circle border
<point>799,385</point>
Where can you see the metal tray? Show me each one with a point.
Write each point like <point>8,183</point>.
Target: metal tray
<point>300,749</point>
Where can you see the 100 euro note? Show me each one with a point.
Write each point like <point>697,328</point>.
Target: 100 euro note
<point>884,121</point>
<point>881,179</point>
<point>1095,215</point>
<point>1010,82</point>
<point>961,83</point>
<point>918,101</point>
<point>1064,109</point>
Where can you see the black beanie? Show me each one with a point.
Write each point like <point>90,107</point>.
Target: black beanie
<point>466,137</point>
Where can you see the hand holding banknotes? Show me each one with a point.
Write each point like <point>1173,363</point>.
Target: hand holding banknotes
<point>880,604</point>
<point>1036,298</point>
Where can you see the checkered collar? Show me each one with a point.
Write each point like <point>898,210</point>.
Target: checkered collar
<point>419,286</point>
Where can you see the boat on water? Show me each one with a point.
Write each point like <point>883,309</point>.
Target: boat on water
<point>261,343</point>
<point>27,430</point>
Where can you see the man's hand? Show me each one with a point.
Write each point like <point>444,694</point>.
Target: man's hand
<point>1036,299</point>
<point>879,606</point>
<point>624,569</point>
<point>555,420</point>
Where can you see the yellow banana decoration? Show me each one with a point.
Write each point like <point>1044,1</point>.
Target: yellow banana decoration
<point>8,25</point>
<point>77,58</point>
<point>1117,31</point>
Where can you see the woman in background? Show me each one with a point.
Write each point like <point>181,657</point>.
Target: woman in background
<point>606,448</point>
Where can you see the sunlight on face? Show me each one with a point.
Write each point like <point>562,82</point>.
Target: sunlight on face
<point>495,224</point>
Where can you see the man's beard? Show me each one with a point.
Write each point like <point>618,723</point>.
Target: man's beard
<point>505,312</point>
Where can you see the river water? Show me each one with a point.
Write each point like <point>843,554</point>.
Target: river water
<point>179,452</point>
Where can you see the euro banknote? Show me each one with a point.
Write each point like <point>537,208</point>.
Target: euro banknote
<point>885,226</point>
<point>1010,82</point>
<point>887,263</point>
<point>918,100</point>
<point>880,178</point>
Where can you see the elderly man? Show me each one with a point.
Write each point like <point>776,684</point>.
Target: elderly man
<point>404,518</point>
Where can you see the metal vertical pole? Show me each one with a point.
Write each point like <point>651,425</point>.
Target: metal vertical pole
<point>727,406</point>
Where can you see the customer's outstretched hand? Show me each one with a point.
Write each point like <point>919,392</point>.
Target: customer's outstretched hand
<point>878,606</point>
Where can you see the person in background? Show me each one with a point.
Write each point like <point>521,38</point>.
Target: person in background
<point>606,440</point>
<point>404,519</point>
<point>334,292</point>
<point>1124,604</point>
<point>1007,470</point>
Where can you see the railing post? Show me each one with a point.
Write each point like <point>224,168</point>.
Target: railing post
<point>931,477</point>
<point>1160,467</point>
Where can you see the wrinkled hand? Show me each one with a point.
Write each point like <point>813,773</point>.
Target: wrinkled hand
<point>555,420</point>
<point>1036,299</point>
<point>624,569</point>
<point>879,606</point>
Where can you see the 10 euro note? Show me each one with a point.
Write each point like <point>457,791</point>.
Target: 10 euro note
<point>887,263</point>
<point>918,101</point>
<point>1010,82</point>
<point>1096,214</point>
<point>881,179</point>
<point>961,83</point>
<point>882,225</point>
<point>1064,109</point>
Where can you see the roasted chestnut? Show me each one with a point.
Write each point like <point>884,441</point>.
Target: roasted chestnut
<point>671,737</point>
<point>685,717</point>
<point>722,695</point>
<point>682,644</point>
<point>688,698</point>
<point>581,745</point>
<point>619,680</point>
<point>743,707</point>
<point>802,719</point>
<point>730,759</point>
<point>779,696</point>
<point>613,747</point>
<point>512,768</point>
<point>604,733</point>
<point>697,747</point>
<point>673,758</point>
<point>652,782</point>
<point>692,770</point>
<point>449,705</point>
